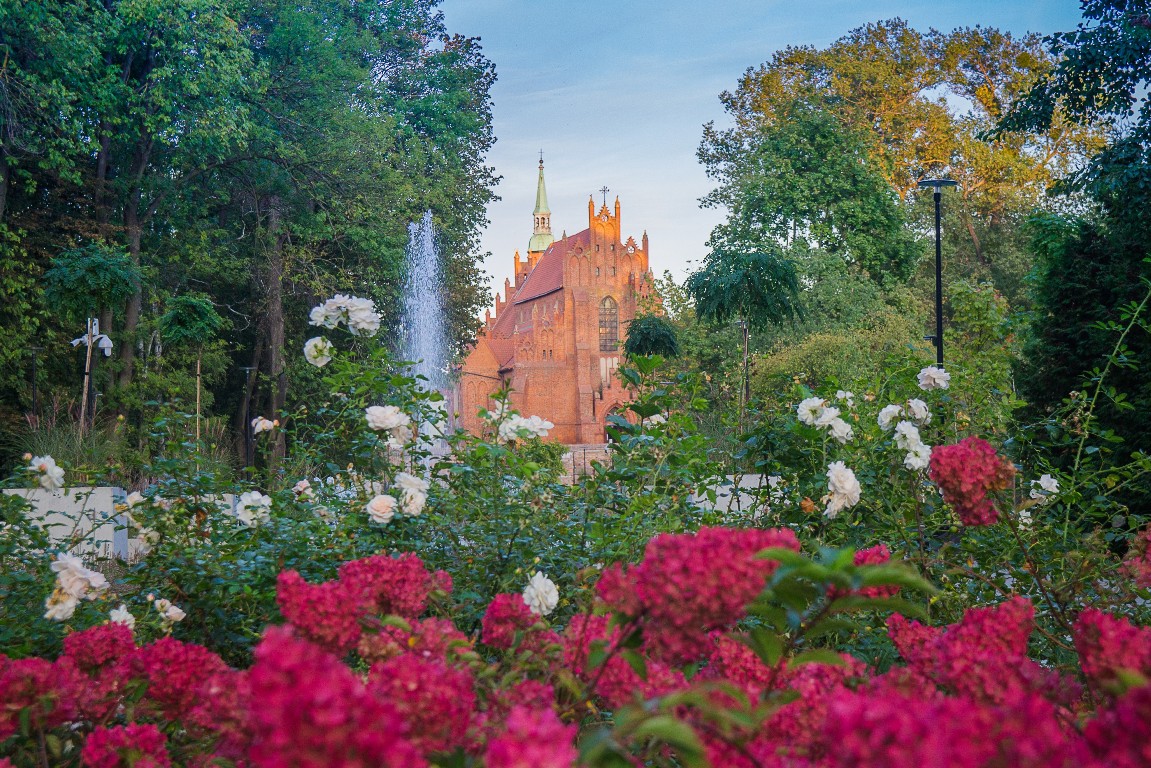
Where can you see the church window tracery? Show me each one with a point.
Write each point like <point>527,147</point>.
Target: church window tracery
<point>608,325</point>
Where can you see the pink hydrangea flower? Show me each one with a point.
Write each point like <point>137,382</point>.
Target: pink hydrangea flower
<point>1120,736</point>
<point>1138,562</point>
<point>327,614</point>
<point>436,701</point>
<point>507,615</point>
<point>136,745</point>
<point>393,585</point>
<point>535,738</point>
<point>46,692</point>
<point>94,648</point>
<point>965,472</point>
<point>1107,644</point>
<point>691,584</point>
<point>876,555</point>
<point>175,672</point>
<point>984,656</point>
<point>311,711</point>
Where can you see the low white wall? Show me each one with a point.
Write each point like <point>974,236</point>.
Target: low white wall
<point>74,514</point>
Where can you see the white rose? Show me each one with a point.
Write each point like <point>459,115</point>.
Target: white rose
<point>826,416</point>
<point>382,509</point>
<point>889,414</point>
<point>843,489</point>
<point>919,411</point>
<point>810,409</point>
<point>73,579</point>
<point>511,426</point>
<point>411,482</point>
<point>907,435</point>
<point>840,429</point>
<point>60,606</point>
<point>260,424</point>
<point>1044,488</point>
<point>363,320</point>
<point>303,490</point>
<point>381,417</point>
<point>656,419</point>
<point>49,475</point>
<point>135,498</point>
<point>318,351</point>
<point>413,502</point>
<point>123,616</point>
<point>325,315</point>
<point>169,612</point>
<point>539,427</point>
<point>918,457</point>
<point>933,377</point>
<point>541,595</point>
<point>847,397</point>
<point>254,508</point>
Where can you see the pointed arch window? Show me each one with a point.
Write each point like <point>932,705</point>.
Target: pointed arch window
<point>608,325</point>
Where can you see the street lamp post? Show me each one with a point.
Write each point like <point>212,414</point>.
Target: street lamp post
<point>247,369</point>
<point>938,185</point>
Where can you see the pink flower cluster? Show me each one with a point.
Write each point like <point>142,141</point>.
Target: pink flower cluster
<point>130,746</point>
<point>1108,645</point>
<point>535,738</point>
<point>508,615</point>
<point>331,614</point>
<point>691,584</point>
<point>964,695</point>
<point>1138,562</point>
<point>966,472</point>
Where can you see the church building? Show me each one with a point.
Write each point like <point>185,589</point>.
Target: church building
<point>557,331</point>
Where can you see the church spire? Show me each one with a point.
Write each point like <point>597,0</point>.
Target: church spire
<point>541,217</point>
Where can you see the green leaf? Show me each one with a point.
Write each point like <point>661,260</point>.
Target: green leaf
<point>767,645</point>
<point>857,603</point>
<point>817,656</point>
<point>674,733</point>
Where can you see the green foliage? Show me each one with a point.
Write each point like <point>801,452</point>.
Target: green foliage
<point>190,319</point>
<point>651,334</point>
<point>759,288</point>
<point>85,280</point>
<point>1100,75</point>
<point>805,179</point>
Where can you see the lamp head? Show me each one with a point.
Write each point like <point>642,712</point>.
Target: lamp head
<point>938,184</point>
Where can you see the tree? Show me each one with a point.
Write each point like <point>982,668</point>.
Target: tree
<point>191,319</point>
<point>757,288</point>
<point>806,178</point>
<point>87,280</point>
<point>1101,74</point>
<point>651,334</point>
<point>899,92</point>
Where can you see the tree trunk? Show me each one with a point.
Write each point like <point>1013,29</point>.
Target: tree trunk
<point>100,201</point>
<point>134,228</point>
<point>974,236</point>
<point>275,317</point>
<point>5,182</point>
<point>244,414</point>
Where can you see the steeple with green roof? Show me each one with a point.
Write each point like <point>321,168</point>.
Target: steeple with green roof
<point>541,216</point>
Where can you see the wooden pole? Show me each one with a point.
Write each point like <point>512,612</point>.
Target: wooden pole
<point>199,355</point>
<point>87,377</point>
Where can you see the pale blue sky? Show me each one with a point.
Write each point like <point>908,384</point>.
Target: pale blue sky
<point>616,94</point>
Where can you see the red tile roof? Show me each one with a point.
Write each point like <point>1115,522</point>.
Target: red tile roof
<point>546,277</point>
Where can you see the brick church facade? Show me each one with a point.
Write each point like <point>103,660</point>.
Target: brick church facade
<point>556,334</point>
